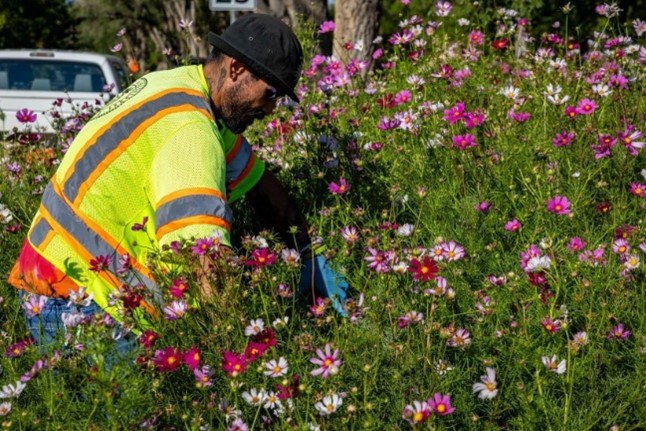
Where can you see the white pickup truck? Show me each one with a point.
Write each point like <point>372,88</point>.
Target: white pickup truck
<point>34,79</point>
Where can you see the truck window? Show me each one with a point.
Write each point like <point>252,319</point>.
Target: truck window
<point>49,75</point>
<point>121,75</point>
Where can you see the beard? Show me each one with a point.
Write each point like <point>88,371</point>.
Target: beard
<point>237,114</point>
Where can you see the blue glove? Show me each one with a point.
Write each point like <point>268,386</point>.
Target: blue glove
<point>327,282</point>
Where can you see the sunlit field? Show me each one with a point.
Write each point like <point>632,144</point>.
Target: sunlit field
<point>482,188</point>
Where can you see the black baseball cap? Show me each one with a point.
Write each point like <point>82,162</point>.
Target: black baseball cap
<point>267,46</point>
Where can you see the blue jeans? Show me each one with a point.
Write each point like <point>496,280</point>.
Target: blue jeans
<point>48,323</point>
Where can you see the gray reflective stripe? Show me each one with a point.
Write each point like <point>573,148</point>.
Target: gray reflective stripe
<point>39,232</point>
<point>192,205</point>
<point>86,237</point>
<point>239,161</point>
<point>120,131</point>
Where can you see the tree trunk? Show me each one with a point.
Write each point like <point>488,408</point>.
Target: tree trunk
<point>356,23</point>
<point>295,12</point>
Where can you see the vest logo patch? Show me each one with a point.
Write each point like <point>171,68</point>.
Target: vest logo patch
<point>122,97</point>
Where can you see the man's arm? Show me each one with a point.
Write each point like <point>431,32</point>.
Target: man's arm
<point>276,210</point>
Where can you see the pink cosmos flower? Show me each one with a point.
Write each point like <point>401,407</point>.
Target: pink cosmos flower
<point>148,338</point>
<point>327,27</point>
<point>327,361</point>
<point>261,257</point>
<point>443,8</point>
<point>318,309</point>
<point>26,116</point>
<point>473,119</point>
<point>630,138</point>
<point>34,305</point>
<point>638,189</point>
<point>441,404</point>
<point>350,234</point>
<point>203,246</point>
<point>620,246</point>
<point>586,107</point>
<point>100,263</point>
<point>618,332</point>
<point>233,364</point>
<point>465,141</point>
<point>175,310</point>
<point>550,325</point>
<point>558,205</point>
<point>483,207</point>
<point>168,359</point>
<point>178,287</point>
<point>452,251</point>
<point>455,114</point>
<point>563,139</point>
<point>192,358</point>
<point>605,144</point>
<point>203,376</point>
<point>402,97</point>
<point>17,349</point>
<point>488,388</point>
<point>339,189</point>
<point>255,350</point>
<point>571,112</point>
<point>461,338</point>
<point>519,117</point>
<point>576,244</point>
<point>513,225</point>
<point>476,38</point>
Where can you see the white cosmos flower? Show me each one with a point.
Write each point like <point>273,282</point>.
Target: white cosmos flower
<point>276,368</point>
<point>538,263</point>
<point>488,388</point>
<point>328,405</point>
<point>510,92</point>
<point>5,408</point>
<point>255,327</point>
<point>12,391</point>
<point>552,365</point>
<point>254,397</point>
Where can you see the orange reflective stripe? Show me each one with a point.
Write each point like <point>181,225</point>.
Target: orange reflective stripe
<point>231,154</point>
<point>123,146</point>
<point>107,126</point>
<point>243,175</point>
<point>96,228</point>
<point>77,246</point>
<point>189,192</point>
<point>198,219</point>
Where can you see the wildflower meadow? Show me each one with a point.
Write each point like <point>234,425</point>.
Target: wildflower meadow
<point>482,188</point>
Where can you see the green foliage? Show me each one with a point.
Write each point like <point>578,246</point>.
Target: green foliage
<point>36,24</point>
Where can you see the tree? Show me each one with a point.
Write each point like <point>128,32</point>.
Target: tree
<point>36,24</point>
<point>356,22</point>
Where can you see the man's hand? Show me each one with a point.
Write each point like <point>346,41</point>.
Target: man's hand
<point>318,277</point>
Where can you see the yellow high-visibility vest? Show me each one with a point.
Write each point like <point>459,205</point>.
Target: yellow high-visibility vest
<point>153,152</point>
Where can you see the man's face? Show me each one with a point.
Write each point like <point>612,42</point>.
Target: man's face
<point>246,100</point>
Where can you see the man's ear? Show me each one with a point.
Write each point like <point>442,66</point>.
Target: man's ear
<point>236,69</point>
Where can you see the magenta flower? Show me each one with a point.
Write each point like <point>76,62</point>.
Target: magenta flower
<point>586,107</point>
<point>576,244</point>
<point>26,116</point>
<point>465,141</point>
<point>483,207</point>
<point>192,358</point>
<point>638,189</point>
<point>327,361</point>
<point>512,225</point>
<point>441,404</point>
<point>327,27</point>
<point>234,364</point>
<point>318,309</point>
<point>559,205</point>
<point>100,263</point>
<point>339,189</point>
<point>551,326</point>
<point>168,359</point>
<point>618,332</point>
<point>571,112</point>
<point>455,114</point>
<point>563,139</point>
<point>261,257</point>
<point>203,246</point>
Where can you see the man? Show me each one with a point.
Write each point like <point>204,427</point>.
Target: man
<point>167,151</point>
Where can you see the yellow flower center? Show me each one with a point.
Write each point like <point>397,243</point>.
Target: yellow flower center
<point>327,363</point>
<point>441,408</point>
<point>424,270</point>
<point>171,360</point>
<point>35,309</point>
<point>417,417</point>
<point>277,369</point>
<point>490,386</point>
